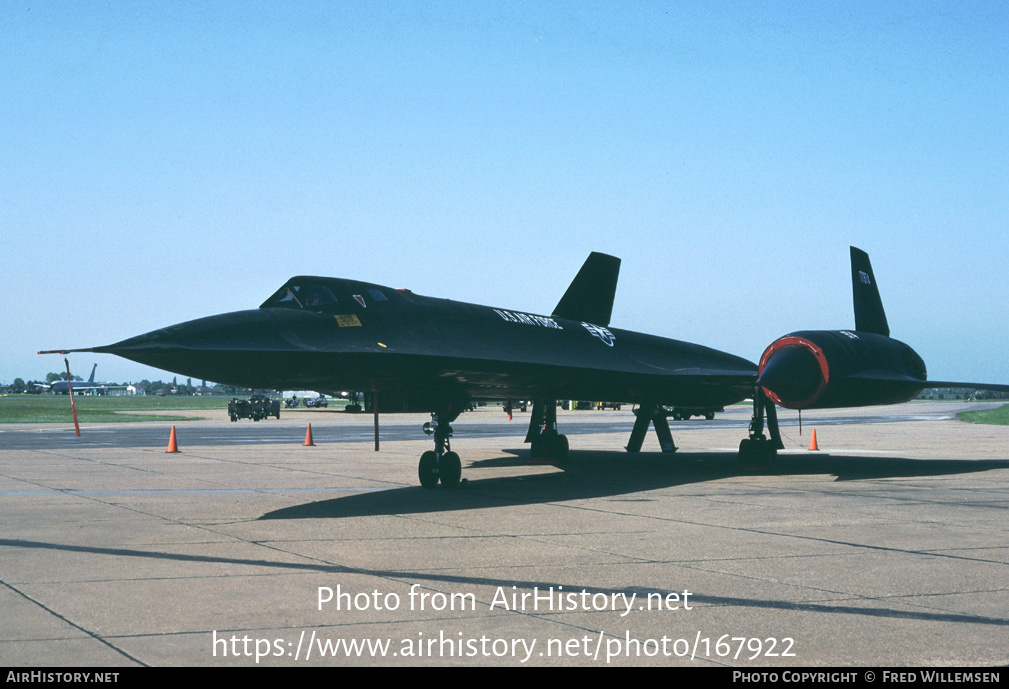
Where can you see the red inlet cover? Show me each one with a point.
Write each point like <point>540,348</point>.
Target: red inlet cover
<point>812,348</point>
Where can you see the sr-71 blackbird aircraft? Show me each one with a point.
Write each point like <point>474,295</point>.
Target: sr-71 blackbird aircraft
<point>412,353</point>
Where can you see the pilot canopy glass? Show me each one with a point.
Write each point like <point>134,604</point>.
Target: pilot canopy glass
<point>326,295</point>
<point>311,296</point>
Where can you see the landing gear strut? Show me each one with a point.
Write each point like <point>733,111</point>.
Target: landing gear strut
<point>650,414</point>
<point>441,464</point>
<point>758,450</point>
<point>546,442</point>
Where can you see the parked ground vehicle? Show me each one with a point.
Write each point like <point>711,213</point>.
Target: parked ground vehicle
<point>319,401</point>
<point>684,413</point>
<point>256,408</point>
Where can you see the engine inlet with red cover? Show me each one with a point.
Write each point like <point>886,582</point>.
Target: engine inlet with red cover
<point>839,368</point>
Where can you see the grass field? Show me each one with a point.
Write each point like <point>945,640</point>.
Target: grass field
<point>998,416</point>
<point>103,409</point>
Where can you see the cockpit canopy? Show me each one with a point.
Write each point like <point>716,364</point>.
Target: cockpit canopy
<point>326,295</point>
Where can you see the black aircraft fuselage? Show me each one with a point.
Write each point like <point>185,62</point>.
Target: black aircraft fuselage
<point>427,354</point>
<point>409,353</point>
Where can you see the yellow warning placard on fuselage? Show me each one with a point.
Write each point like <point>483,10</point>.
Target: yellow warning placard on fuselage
<point>348,321</point>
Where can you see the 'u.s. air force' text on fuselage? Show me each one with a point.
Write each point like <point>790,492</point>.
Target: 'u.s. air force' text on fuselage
<point>604,335</point>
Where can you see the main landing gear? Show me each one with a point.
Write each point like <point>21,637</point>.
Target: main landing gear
<point>440,465</point>
<point>759,451</point>
<point>546,442</point>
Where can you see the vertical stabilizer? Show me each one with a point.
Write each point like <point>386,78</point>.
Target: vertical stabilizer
<point>869,315</point>
<point>589,298</point>
<point>92,378</point>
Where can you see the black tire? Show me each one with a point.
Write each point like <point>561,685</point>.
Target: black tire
<point>710,416</point>
<point>427,469</point>
<point>757,453</point>
<point>550,447</point>
<point>450,470</point>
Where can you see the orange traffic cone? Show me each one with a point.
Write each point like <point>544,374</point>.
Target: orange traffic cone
<point>173,446</point>
<point>308,436</point>
<point>812,443</point>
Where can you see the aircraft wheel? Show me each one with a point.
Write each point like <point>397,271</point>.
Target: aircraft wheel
<point>746,453</point>
<point>756,453</point>
<point>561,447</point>
<point>427,470</point>
<point>450,470</point>
<point>550,447</point>
<point>709,416</point>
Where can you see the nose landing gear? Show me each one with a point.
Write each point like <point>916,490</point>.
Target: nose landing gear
<point>441,464</point>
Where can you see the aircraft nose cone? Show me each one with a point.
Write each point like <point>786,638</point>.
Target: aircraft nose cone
<point>228,331</point>
<point>793,374</point>
<point>229,348</point>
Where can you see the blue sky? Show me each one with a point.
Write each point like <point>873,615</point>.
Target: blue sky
<point>165,161</point>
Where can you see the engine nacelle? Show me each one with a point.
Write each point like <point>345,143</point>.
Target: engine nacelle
<point>821,369</point>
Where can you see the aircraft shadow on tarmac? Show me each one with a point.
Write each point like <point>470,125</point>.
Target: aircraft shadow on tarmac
<point>601,474</point>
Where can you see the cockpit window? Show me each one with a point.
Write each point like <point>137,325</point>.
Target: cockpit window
<point>315,295</point>
<point>286,299</point>
<point>311,296</point>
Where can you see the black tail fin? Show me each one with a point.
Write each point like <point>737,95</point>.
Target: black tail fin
<point>869,315</point>
<point>92,378</point>
<point>589,298</point>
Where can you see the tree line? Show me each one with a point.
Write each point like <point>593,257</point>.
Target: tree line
<point>156,387</point>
